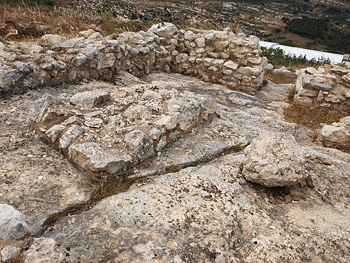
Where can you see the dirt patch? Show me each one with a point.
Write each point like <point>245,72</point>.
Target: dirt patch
<point>281,78</point>
<point>314,117</point>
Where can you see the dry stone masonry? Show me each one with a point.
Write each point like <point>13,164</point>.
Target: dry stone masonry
<point>324,86</point>
<point>215,56</point>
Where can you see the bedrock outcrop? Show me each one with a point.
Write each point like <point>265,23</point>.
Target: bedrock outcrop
<point>181,141</point>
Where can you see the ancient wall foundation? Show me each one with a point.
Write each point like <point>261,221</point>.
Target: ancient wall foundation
<point>216,56</point>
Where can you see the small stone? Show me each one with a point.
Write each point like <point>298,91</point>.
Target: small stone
<point>279,199</point>
<point>327,161</point>
<point>310,182</point>
<point>288,199</point>
<point>297,195</point>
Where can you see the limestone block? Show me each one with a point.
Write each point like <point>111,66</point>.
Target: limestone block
<point>346,79</point>
<point>181,58</point>
<point>9,253</point>
<point>314,71</point>
<point>322,86</point>
<point>274,159</point>
<point>335,134</point>
<point>166,30</point>
<point>50,40</point>
<point>220,45</point>
<point>140,144</point>
<point>218,62</point>
<point>168,122</point>
<point>200,42</point>
<point>8,77</point>
<point>105,60</point>
<point>89,99</point>
<point>339,70</point>
<point>69,136</point>
<point>255,60</point>
<point>249,71</point>
<point>71,43</point>
<point>96,36</point>
<point>346,120</point>
<point>12,223</point>
<point>87,33</point>
<point>190,36</point>
<point>308,93</point>
<point>95,157</point>
<point>303,101</point>
<point>231,65</point>
<point>45,108</point>
<point>307,80</point>
<point>55,131</point>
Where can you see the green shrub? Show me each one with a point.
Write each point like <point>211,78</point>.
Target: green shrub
<point>278,58</point>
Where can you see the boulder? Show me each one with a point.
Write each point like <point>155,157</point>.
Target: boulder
<point>95,157</point>
<point>89,99</point>
<point>274,159</point>
<point>12,223</point>
<point>2,46</point>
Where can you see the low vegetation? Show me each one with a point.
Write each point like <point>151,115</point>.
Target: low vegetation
<point>279,58</point>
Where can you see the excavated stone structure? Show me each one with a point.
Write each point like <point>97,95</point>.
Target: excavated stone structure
<point>215,56</point>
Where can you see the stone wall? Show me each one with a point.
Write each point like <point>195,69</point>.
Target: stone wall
<point>324,86</point>
<point>215,56</point>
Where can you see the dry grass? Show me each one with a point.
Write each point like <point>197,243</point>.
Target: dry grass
<point>28,23</point>
<point>25,23</point>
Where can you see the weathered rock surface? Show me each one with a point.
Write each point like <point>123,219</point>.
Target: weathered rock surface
<point>274,159</point>
<point>196,206</point>
<point>89,99</point>
<point>43,250</point>
<point>12,223</point>
<point>94,157</point>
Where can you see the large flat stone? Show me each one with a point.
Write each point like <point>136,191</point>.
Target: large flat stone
<point>96,157</point>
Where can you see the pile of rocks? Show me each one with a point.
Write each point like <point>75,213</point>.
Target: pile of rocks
<point>323,86</point>
<point>216,56</point>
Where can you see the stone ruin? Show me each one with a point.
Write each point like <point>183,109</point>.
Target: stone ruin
<point>215,56</point>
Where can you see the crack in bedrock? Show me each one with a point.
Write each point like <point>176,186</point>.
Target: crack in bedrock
<point>108,188</point>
